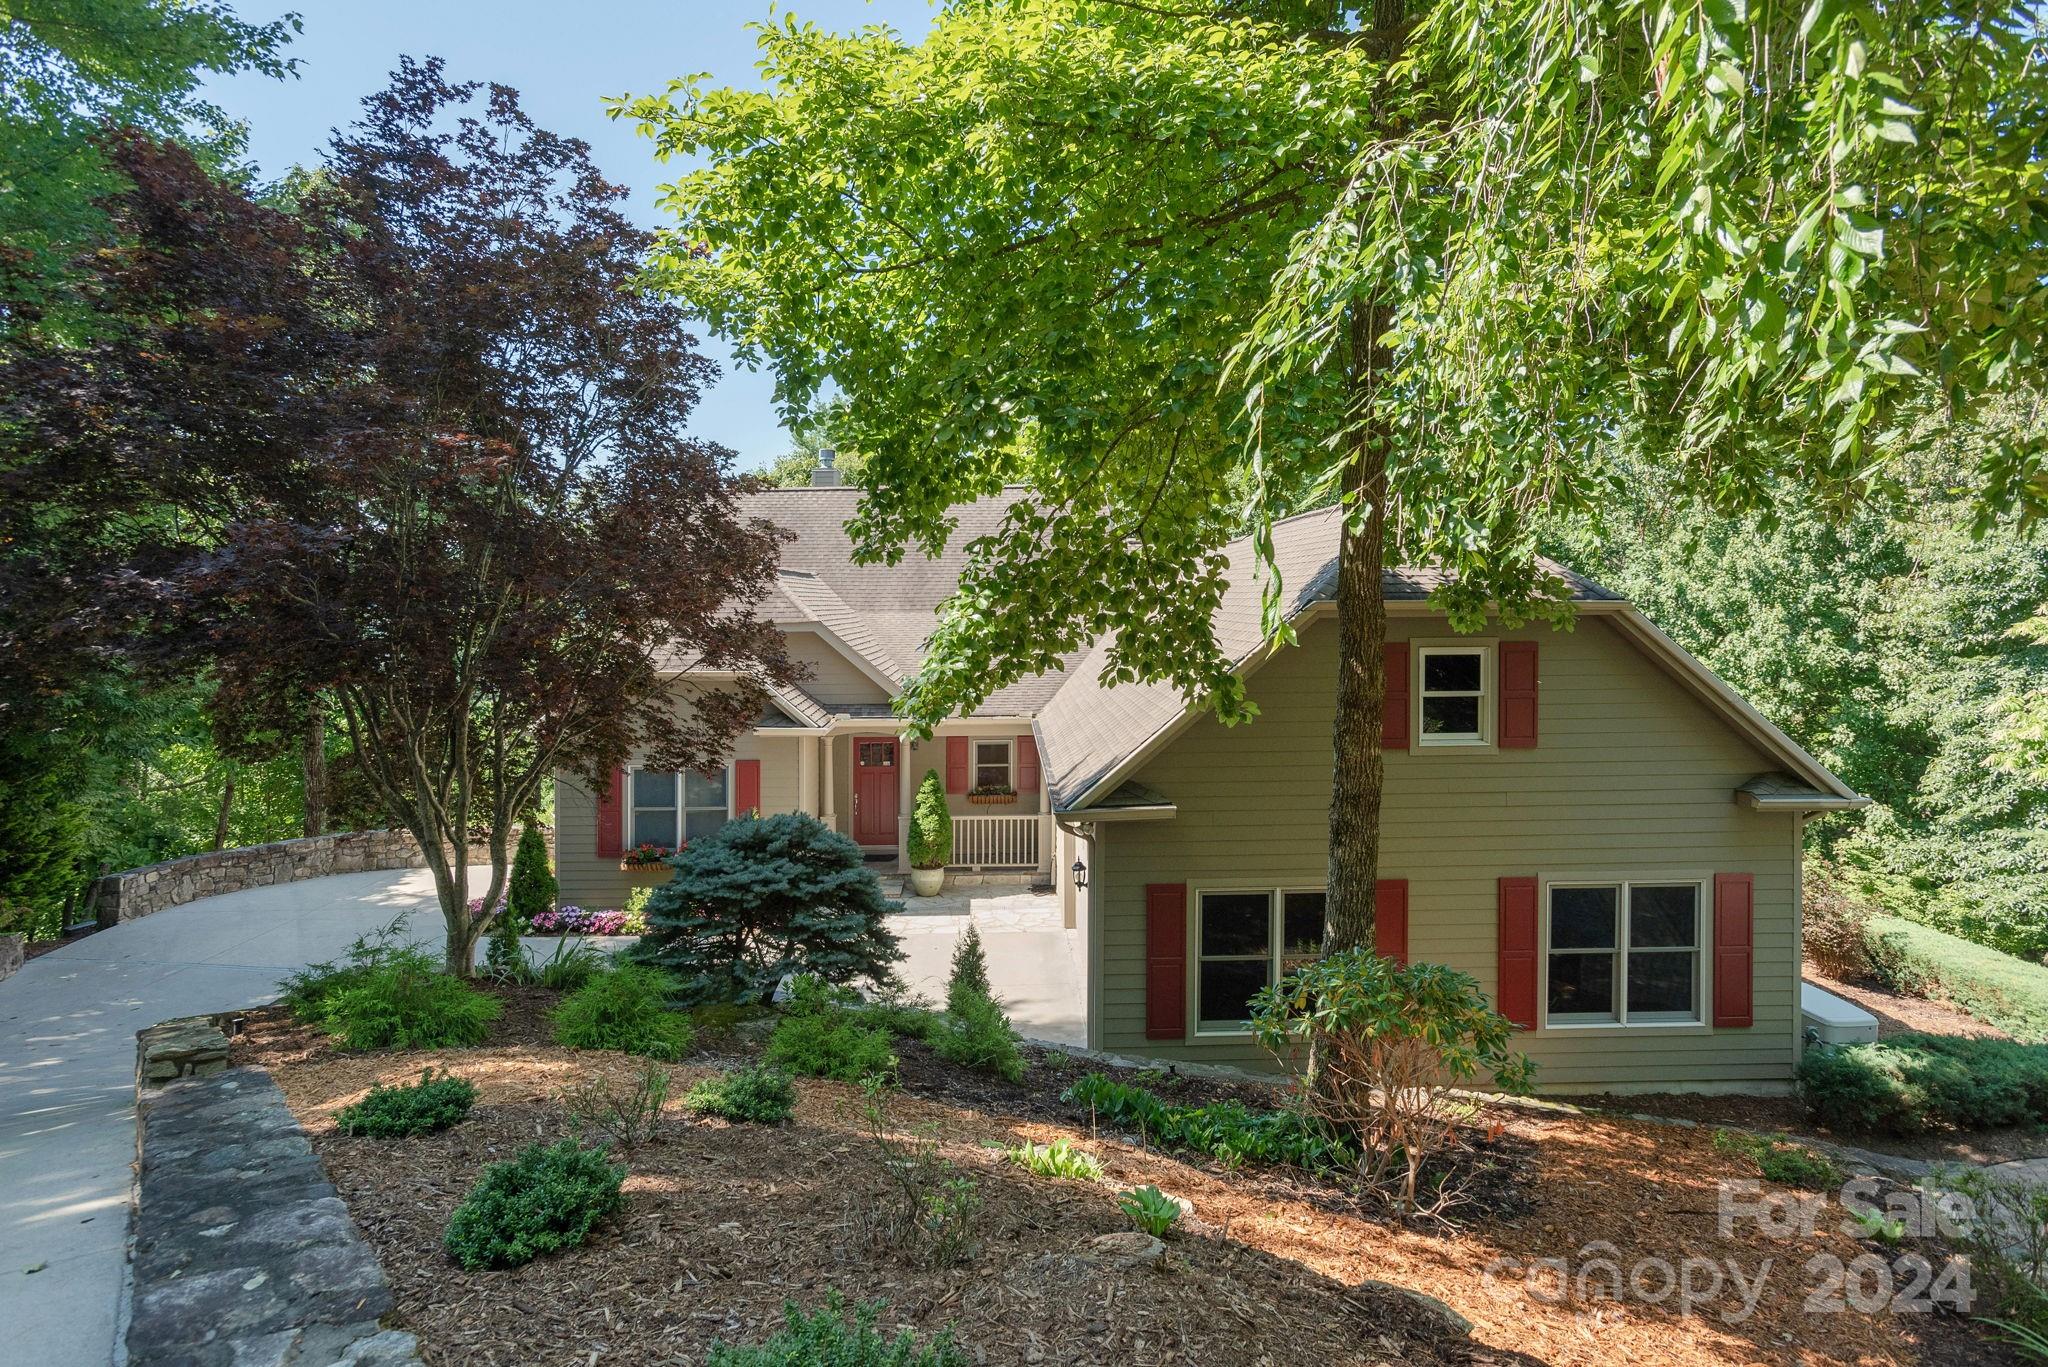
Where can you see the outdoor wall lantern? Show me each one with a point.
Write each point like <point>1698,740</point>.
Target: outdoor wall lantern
<point>1080,874</point>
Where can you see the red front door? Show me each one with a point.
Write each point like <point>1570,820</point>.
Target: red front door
<point>876,790</point>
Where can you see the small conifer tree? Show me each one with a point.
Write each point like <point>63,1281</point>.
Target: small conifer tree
<point>970,972</point>
<point>931,825</point>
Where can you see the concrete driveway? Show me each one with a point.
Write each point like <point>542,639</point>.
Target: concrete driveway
<point>67,1058</point>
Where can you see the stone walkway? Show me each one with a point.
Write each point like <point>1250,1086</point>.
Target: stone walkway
<point>67,1058</point>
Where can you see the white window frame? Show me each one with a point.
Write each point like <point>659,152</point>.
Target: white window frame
<point>1276,924</point>
<point>1703,981</point>
<point>1009,744</point>
<point>682,813</point>
<point>1489,703</point>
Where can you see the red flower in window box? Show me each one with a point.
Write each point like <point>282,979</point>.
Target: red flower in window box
<point>646,855</point>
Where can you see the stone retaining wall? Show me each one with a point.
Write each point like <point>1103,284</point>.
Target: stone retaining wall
<point>135,893</point>
<point>243,1252</point>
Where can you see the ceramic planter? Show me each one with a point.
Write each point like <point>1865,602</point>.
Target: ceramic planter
<point>927,882</point>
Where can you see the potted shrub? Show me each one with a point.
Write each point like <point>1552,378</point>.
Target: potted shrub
<point>931,837</point>
<point>646,865</point>
<point>992,795</point>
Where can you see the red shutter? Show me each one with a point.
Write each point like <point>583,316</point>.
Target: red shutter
<point>611,818</point>
<point>1516,998</point>
<point>1390,920</point>
<point>956,764</point>
<point>1027,765</point>
<point>1166,960</point>
<point>1517,695</point>
<point>746,787</point>
<point>1394,717</point>
<point>1734,950</point>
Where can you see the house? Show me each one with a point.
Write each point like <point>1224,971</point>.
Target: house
<point>1588,821</point>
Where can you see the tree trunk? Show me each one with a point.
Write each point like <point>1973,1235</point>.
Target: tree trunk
<point>1358,770</point>
<point>227,801</point>
<point>313,766</point>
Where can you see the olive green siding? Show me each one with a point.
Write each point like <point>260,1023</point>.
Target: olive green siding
<point>1633,776</point>
<point>589,881</point>
<point>832,678</point>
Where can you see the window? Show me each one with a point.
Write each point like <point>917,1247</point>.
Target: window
<point>1624,953</point>
<point>1245,942</point>
<point>670,809</point>
<point>1453,695</point>
<point>991,764</point>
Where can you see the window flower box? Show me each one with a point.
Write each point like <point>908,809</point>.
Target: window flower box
<point>646,865</point>
<point>992,797</point>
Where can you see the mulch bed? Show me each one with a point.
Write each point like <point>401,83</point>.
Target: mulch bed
<point>724,1224</point>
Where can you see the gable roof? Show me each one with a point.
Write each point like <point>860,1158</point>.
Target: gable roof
<point>1092,736</point>
<point>880,616</point>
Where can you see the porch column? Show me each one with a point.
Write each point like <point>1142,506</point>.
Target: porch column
<point>829,787</point>
<point>902,802</point>
<point>1047,829</point>
<point>806,776</point>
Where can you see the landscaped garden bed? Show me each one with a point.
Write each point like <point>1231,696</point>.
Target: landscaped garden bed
<point>724,1223</point>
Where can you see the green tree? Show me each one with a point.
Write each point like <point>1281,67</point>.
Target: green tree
<point>763,898</point>
<point>69,69</point>
<point>814,430</point>
<point>532,888</point>
<point>931,825</point>
<point>1425,257</point>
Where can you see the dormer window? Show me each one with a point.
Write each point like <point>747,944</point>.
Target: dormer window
<point>1453,697</point>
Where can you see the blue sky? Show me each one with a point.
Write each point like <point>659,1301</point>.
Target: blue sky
<point>563,59</point>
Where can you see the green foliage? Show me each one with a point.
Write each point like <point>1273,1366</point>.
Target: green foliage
<point>1713,216</point>
<point>432,1103</point>
<point>931,825</point>
<point>547,1199</point>
<point>763,898</point>
<point>533,887</point>
<point>1151,1210</point>
<point>756,1096</point>
<point>827,1339</point>
<point>1226,1130</point>
<point>832,1044</point>
<point>1996,988</point>
<point>1910,1084</point>
<point>1780,1160</point>
<point>622,1113</point>
<point>572,964</point>
<point>390,996</point>
<point>2005,1236</point>
<point>70,69</point>
<point>1057,1159</point>
<point>976,1034</point>
<point>1893,644</point>
<point>626,1008</point>
<point>1875,1224</point>
<point>969,978</point>
<point>1388,1045</point>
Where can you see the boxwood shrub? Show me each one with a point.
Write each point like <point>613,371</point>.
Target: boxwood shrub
<point>433,1103</point>
<point>548,1198</point>
<point>758,1096</point>
<point>1911,1084</point>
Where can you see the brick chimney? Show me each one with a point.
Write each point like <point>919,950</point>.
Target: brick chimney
<point>826,476</point>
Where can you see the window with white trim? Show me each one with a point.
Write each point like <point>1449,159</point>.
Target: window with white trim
<point>992,764</point>
<point>672,809</point>
<point>1452,697</point>
<point>1624,953</point>
<point>1245,942</point>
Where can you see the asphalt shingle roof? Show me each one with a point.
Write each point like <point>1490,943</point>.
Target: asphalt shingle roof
<point>1089,728</point>
<point>885,613</point>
